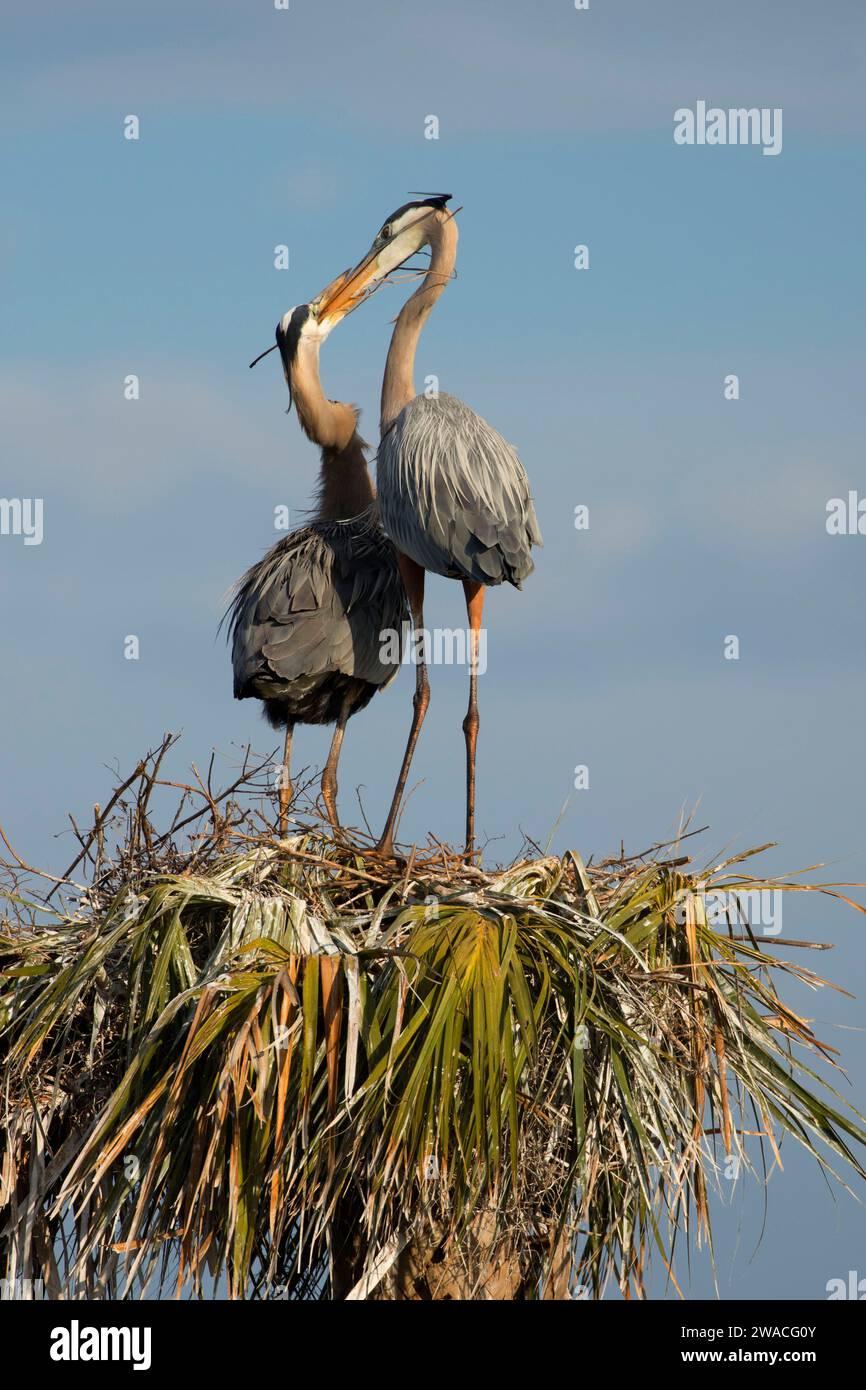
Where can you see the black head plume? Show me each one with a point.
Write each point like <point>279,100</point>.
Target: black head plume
<point>288,339</point>
<point>424,200</point>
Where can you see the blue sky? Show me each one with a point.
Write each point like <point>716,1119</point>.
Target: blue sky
<point>707,516</point>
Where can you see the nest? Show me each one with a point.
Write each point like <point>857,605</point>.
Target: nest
<point>289,1068</point>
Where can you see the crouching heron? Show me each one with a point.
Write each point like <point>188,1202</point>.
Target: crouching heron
<point>306,622</point>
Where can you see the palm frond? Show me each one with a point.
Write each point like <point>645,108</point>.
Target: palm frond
<point>286,1065</point>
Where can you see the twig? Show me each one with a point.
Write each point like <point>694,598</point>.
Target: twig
<point>100,821</point>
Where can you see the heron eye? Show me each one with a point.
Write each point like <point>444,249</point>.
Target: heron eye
<point>386,231</point>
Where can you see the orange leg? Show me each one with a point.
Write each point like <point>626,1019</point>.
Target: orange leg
<point>286,782</point>
<point>329,775</point>
<point>474,608</point>
<point>413,579</point>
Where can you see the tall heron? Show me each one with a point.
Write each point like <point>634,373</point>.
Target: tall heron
<point>306,621</point>
<point>453,495</point>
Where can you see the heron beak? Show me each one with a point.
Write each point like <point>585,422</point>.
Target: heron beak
<point>348,290</point>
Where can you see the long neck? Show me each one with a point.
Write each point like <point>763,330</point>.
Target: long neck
<point>398,386</point>
<point>345,485</point>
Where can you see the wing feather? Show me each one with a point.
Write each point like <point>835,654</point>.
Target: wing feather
<point>317,603</point>
<point>454,495</point>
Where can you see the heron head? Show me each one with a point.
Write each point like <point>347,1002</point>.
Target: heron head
<point>402,234</point>
<point>306,324</point>
<point>407,230</point>
<point>398,239</point>
<point>296,323</point>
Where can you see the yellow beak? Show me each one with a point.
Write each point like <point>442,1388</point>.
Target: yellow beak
<point>348,290</point>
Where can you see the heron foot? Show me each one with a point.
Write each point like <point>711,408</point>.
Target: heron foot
<point>385,851</point>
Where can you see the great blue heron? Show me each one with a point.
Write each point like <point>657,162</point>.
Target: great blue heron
<point>453,495</point>
<point>307,621</point>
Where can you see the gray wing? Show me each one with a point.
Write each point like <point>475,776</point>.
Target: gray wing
<point>453,494</point>
<point>317,603</point>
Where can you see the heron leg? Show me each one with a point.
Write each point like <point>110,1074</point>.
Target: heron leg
<point>329,775</point>
<point>474,594</point>
<point>413,580</point>
<point>286,788</point>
